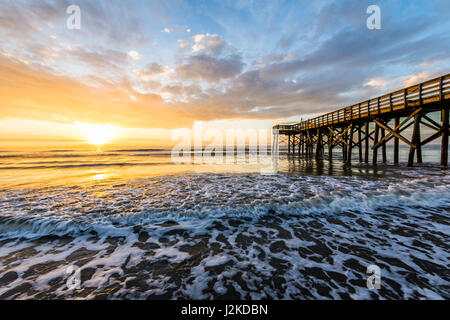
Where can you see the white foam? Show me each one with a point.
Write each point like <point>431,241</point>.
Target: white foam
<point>197,201</point>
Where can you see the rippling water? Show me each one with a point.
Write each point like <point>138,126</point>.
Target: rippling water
<point>139,226</point>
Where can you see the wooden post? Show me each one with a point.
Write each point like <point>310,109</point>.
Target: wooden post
<point>405,98</point>
<point>418,143</point>
<point>383,147</point>
<point>414,140</point>
<point>350,146</point>
<point>344,148</point>
<point>319,143</point>
<point>396,141</point>
<point>304,144</point>
<point>289,143</point>
<point>366,154</point>
<point>360,144</point>
<point>299,143</point>
<point>330,147</point>
<point>293,144</point>
<point>444,144</point>
<point>308,143</point>
<point>375,150</point>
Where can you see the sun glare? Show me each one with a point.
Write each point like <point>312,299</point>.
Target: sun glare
<point>96,134</point>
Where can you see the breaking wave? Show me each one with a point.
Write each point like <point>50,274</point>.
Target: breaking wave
<point>233,236</point>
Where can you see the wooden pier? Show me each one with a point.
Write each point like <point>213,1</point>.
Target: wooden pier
<point>373,123</point>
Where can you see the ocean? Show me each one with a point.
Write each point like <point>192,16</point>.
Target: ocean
<point>128,223</point>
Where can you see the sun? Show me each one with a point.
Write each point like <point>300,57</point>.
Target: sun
<point>96,134</point>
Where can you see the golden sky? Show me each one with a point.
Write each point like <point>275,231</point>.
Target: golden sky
<point>139,69</point>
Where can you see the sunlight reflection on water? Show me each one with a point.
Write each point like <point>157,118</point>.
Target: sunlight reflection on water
<point>37,169</point>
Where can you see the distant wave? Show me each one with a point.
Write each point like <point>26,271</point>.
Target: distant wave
<point>140,150</point>
<point>47,156</point>
<point>87,165</point>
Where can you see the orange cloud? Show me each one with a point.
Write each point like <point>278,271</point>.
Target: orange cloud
<point>34,93</point>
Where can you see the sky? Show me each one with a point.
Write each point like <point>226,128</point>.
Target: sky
<point>145,68</point>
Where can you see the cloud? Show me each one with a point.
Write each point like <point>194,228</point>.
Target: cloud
<point>167,30</point>
<point>184,44</point>
<point>134,55</point>
<point>285,42</point>
<point>152,70</point>
<point>377,82</point>
<point>182,91</point>
<point>207,68</point>
<point>37,94</point>
<point>423,76</point>
<point>211,44</point>
<point>101,58</point>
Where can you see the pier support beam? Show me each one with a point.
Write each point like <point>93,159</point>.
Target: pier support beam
<point>418,143</point>
<point>375,147</point>
<point>360,143</point>
<point>366,153</point>
<point>308,144</point>
<point>290,144</point>
<point>350,145</point>
<point>302,143</point>
<point>330,145</point>
<point>341,138</point>
<point>319,144</point>
<point>344,147</point>
<point>396,141</point>
<point>415,140</point>
<point>445,133</point>
<point>383,148</point>
<point>294,143</point>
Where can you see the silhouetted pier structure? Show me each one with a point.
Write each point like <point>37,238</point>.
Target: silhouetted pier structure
<point>404,108</point>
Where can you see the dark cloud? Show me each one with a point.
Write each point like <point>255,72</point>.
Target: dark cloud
<point>208,68</point>
<point>151,70</point>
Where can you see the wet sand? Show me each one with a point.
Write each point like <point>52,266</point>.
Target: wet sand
<point>279,237</point>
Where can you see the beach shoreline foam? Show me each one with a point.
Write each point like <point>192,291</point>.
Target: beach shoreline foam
<point>230,236</point>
